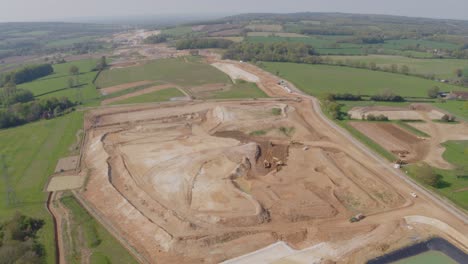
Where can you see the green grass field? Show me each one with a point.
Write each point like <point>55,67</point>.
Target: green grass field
<point>56,85</point>
<point>159,96</point>
<point>455,188</point>
<point>104,247</point>
<point>458,108</point>
<point>178,31</point>
<point>319,79</point>
<point>185,71</point>
<point>429,44</point>
<point>442,68</point>
<point>32,152</point>
<point>241,90</point>
<point>429,257</point>
<point>331,45</point>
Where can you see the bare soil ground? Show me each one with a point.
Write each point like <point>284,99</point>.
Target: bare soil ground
<point>235,72</point>
<point>185,182</point>
<point>65,182</point>
<point>440,133</point>
<point>67,164</point>
<point>121,87</point>
<point>413,112</point>
<point>396,140</point>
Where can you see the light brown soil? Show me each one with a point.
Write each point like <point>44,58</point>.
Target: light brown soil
<point>121,87</point>
<point>440,133</point>
<point>413,112</point>
<point>67,164</point>
<point>396,140</point>
<point>183,182</point>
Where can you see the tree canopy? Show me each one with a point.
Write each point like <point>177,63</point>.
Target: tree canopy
<point>282,52</point>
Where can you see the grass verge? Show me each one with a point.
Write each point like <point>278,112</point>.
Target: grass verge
<point>103,246</point>
<point>411,129</point>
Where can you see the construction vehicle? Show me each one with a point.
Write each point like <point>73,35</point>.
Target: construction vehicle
<point>356,218</point>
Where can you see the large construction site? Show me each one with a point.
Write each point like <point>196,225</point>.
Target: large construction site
<point>249,181</point>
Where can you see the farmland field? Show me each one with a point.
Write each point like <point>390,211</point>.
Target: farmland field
<point>159,96</point>
<point>177,31</point>
<point>56,85</point>
<point>442,68</point>
<point>318,79</point>
<point>458,108</point>
<point>31,153</point>
<point>180,71</point>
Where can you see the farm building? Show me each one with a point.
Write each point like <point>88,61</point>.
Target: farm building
<point>458,95</point>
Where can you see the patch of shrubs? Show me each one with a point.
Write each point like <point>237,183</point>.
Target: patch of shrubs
<point>371,117</point>
<point>448,118</point>
<point>387,97</point>
<point>155,39</point>
<point>347,97</point>
<point>18,240</point>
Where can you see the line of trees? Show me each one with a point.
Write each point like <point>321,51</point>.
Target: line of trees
<point>346,97</point>
<point>387,96</point>
<point>206,43</point>
<point>281,52</point>
<point>27,74</point>
<point>155,39</point>
<point>21,113</point>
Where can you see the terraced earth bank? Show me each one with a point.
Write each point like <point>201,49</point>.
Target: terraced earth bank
<point>208,181</point>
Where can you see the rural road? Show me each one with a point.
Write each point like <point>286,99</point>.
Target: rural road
<point>385,164</point>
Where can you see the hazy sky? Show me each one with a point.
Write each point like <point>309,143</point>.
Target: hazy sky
<point>30,10</point>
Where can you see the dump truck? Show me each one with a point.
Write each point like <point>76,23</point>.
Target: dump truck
<point>356,218</point>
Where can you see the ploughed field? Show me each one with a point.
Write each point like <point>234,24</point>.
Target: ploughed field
<point>206,182</point>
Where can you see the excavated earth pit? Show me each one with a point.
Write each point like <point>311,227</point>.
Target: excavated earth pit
<point>188,183</point>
